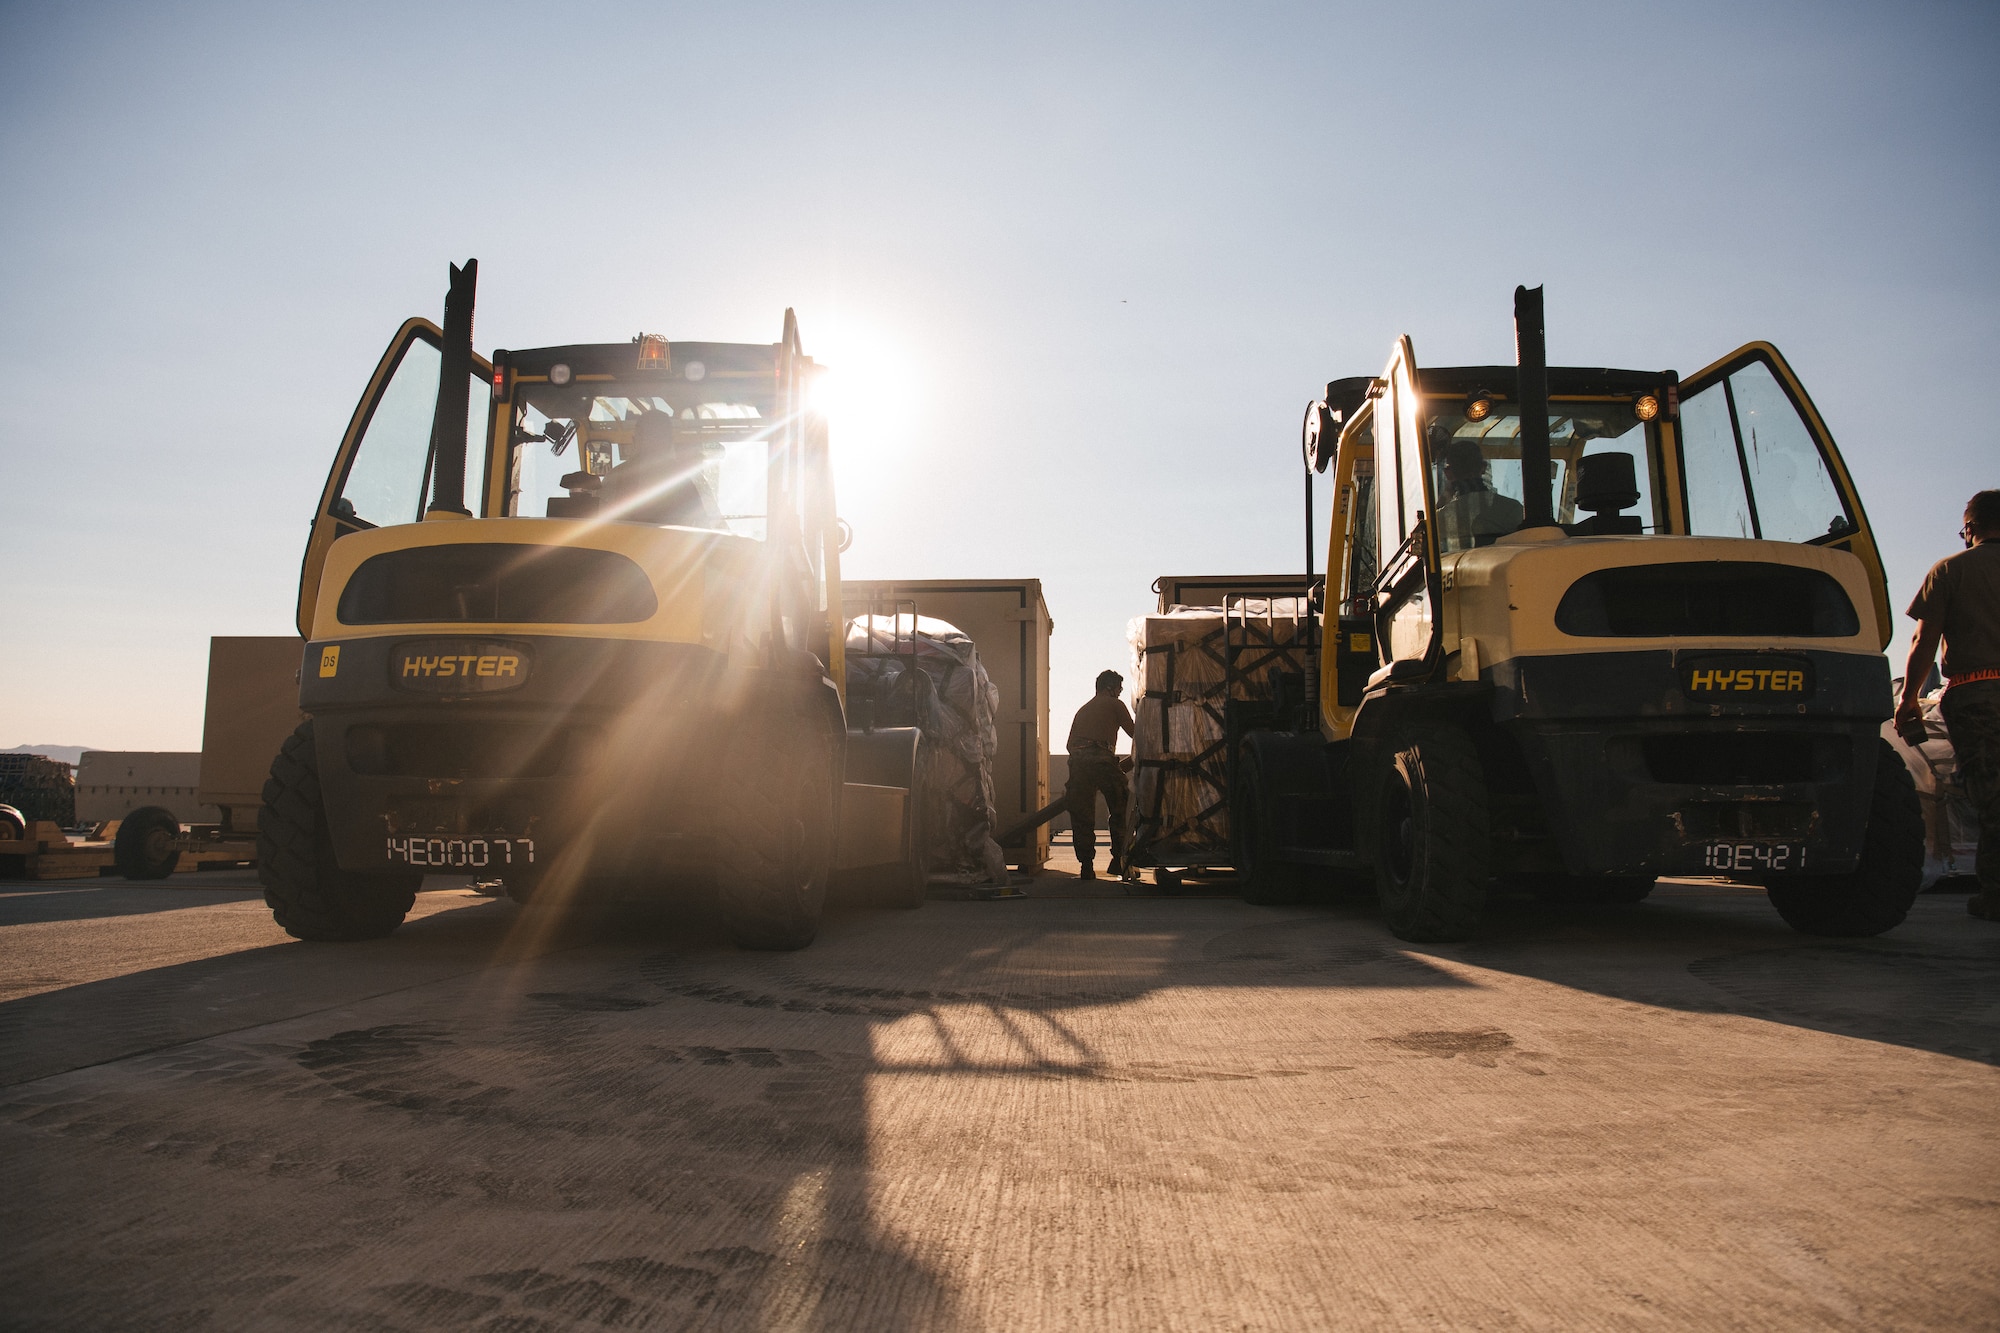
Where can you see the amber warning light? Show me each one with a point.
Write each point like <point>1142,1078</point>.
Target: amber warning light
<point>653,352</point>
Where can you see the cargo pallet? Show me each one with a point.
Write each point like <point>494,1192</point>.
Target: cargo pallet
<point>45,852</point>
<point>1253,675</point>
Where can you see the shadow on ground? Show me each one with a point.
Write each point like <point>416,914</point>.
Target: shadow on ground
<point>514,1119</point>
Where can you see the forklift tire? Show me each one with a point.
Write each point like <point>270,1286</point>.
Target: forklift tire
<point>13,824</point>
<point>308,892</point>
<point>1262,878</point>
<point>520,888</point>
<point>144,847</point>
<point>776,835</point>
<point>1429,828</point>
<point>1878,895</point>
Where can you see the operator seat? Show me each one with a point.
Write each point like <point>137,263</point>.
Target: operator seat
<point>1606,485</point>
<point>661,479</point>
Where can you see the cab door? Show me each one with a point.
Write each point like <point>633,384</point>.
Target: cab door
<point>1757,460</point>
<point>1406,592</point>
<point>382,470</point>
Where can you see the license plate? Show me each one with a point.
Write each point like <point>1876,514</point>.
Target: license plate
<point>460,853</point>
<point>1753,857</point>
<point>1744,676</point>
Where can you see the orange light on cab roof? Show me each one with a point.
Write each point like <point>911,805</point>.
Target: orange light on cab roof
<point>1646,408</point>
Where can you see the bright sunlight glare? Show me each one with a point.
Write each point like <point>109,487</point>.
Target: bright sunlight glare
<point>868,390</point>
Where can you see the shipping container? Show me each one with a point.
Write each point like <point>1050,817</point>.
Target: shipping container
<point>253,705</point>
<point>1210,589</point>
<point>1009,622</point>
<point>111,784</point>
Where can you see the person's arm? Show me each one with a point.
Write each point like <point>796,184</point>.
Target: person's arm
<point>1125,720</point>
<point>1923,651</point>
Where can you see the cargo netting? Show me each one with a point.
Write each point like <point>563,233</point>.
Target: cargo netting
<point>916,671</point>
<point>1195,667</point>
<point>39,787</point>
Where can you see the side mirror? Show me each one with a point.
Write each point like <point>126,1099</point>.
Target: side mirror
<point>1320,436</point>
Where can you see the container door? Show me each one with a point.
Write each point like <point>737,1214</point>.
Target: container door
<point>1758,461</point>
<point>1405,583</point>
<point>381,473</point>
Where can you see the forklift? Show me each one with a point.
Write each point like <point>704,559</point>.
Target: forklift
<point>623,673</point>
<point>1581,629</point>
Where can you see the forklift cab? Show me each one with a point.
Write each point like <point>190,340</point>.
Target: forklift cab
<point>1428,466</point>
<point>715,439</point>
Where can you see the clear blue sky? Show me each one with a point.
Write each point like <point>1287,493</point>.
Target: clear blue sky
<point>1083,264</point>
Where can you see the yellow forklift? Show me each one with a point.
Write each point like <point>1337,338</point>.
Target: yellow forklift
<point>1584,628</point>
<point>607,656</point>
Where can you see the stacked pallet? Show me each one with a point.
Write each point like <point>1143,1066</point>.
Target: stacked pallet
<point>1190,663</point>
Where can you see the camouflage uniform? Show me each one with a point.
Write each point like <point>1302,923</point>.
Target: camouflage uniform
<point>1093,770</point>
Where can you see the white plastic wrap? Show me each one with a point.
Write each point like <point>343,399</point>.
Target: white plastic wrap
<point>953,702</point>
<point>1951,825</point>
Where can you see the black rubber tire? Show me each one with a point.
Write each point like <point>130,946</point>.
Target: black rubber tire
<point>1596,890</point>
<point>776,834</point>
<point>1878,895</point>
<point>1430,835</point>
<point>13,824</point>
<point>1261,878</point>
<point>307,891</point>
<point>144,846</point>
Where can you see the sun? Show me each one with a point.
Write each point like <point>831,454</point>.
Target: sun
<point>868,390</point>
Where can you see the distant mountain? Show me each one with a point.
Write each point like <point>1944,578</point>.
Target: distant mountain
<point>69,754</point>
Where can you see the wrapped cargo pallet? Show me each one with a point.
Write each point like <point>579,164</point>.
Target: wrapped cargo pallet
<point>38,787</point>
<point>1202,672</point>
<point>909,670</point>
<point>1009,621</point>
<point>1951,825</point>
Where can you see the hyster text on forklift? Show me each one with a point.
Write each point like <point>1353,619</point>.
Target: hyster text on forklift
<point>1586,628</point>
<point>626,670</point>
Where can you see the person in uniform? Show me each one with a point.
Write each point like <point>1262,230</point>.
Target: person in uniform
<point>1960,604</point>
<point>1094,768</point>
<point>1472,513</point>
<point>664,477</point>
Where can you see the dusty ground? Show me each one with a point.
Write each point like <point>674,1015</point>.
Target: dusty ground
<point>1099,1112</point>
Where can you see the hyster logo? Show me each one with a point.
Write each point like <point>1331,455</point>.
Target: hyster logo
<point>492,665</point>
<point>1761,679</point>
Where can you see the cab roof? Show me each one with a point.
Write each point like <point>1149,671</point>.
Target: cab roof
<point>1347,395</point>
<point>621,360</point>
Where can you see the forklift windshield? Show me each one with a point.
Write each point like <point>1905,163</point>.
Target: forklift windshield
<point>1476,464</point>
<point>653,453</point>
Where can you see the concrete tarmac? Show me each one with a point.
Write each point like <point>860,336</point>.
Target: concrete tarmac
<point>1065,1112</point>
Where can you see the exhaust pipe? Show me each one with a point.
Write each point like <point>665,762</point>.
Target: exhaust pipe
<point>454,398</point>
<point>1531,359</point>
